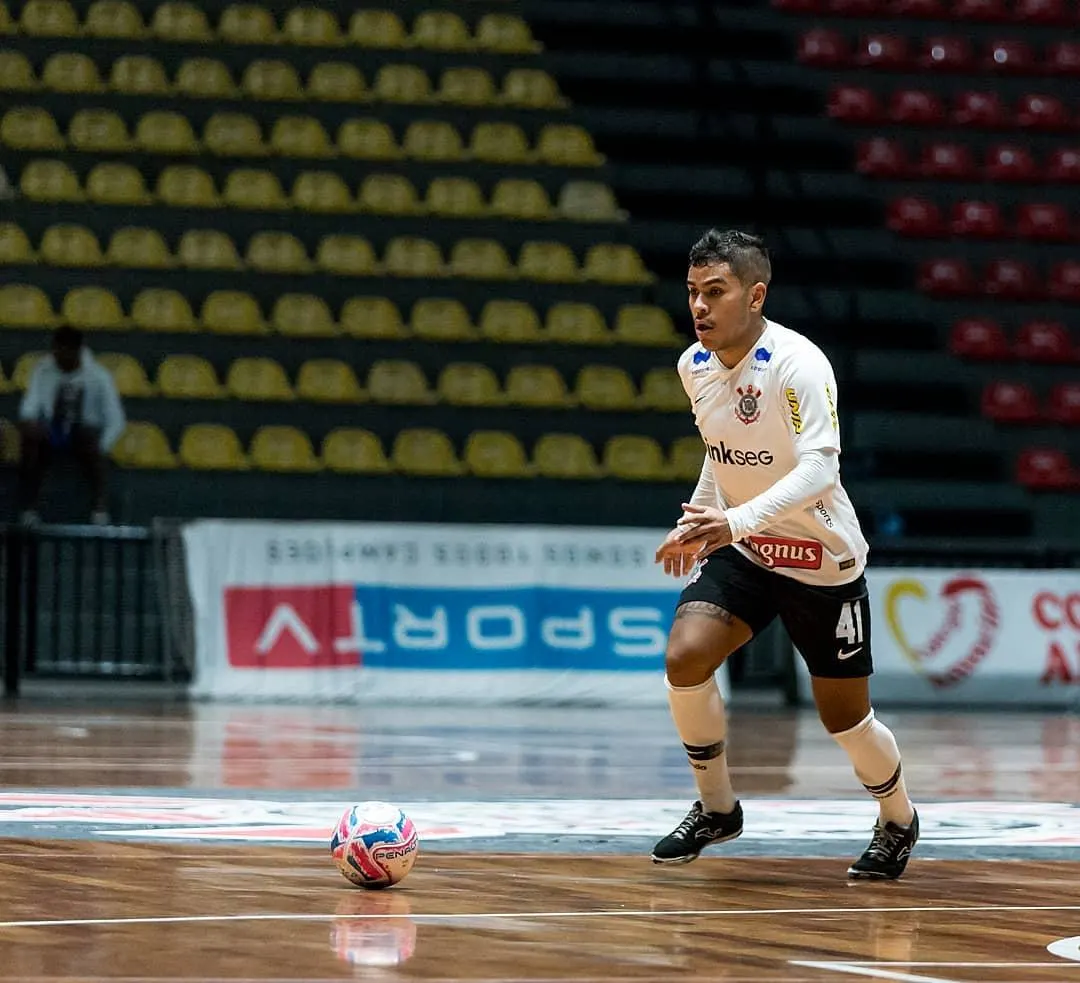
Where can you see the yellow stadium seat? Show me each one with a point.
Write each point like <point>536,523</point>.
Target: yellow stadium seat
<point>425,452</point>
<point>258,379</point>
<point>212,447</point>
<point>204,78</point>
<point>312,27</point>
<point>138,248</point>
<point>567,145</point>
<point>99,130</point>
<point>349,451</point>
<point>662,390</point>
<point>408,256</point>
<point>577,324</point>
<point>510,322</point>
<point>589,201</point>
<point>143,445</point>
<point>548,262</point>
<point>16,74</point>
<point>253,189</point>
<point>302,316</point>
<point>15,248</point>
<point>128,374</point>
<point>685,459</point>
<point>335,81</point>
<point>179,21</point>
<point>284,450</point>
<point>159,309</point>
<point>398,382</point>
<point>10,442</point>
<point>24,368</point>
<point>605,387</point>
<point>346,256</point>
<point>233,135</point>
<point>188,377</point>
<point>388,194</point>
<point>186,186</point>
<point>506,34</point>
<point>402,84</point>
<point>277,252</point>
<point>537,387</point>
<point>139,75</point>
<point>322,191</point>
<point>114,19</point>
<point>634,458</point>
<point>440,319</point>
<point>23,306</point>
<point>7,26</point>
<point>499,143</point>
<point>440,30</point>
<point>566,456</point>
<point>531,88</point>
<point>49,181</point>
<point>640,324</point>
<point>30,128</point>
<point>300,136</point>
<point>496,454</point>
<point>433,140</point>
<point>163,132</point>
<point>49,19</point>
<point>469,384</point>
<point>232,312</point>
<point>327,380</point>
<point>207,249</point>
<point>517,199</point>
<point>93,309</point>
<point>615,263</point>
<point>372,318</point>
<point>480,259</point>
<point>377,29</point>
<point>116,184</point>
<point>455,197</point>
<point>467,87</point>
<point>368,139</point>
<point>276,81</point>
<point>243,23</point>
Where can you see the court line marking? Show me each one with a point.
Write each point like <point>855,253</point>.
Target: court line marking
<point>462,915</point>
<point>879,969</point>
<point>872,972</point>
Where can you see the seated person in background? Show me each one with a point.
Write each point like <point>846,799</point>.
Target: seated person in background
<point>71,406</point>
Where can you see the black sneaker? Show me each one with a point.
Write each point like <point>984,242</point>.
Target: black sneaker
<point>888,853</point>
<point>697,831</point>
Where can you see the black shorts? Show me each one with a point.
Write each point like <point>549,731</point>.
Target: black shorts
<point>830,626</point>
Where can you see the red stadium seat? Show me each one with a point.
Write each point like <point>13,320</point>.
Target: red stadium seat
<point>978,338</point>
<point>1045,221</point>
<point>853,104</point>
<point>916,217</point>
<point>1041,112</point>
<point>798,6</point>
<point>947,161</point>
<point>982,109</point>
<point>1008,162</point>
<point>916,107</point>
<point>1046,468</point>
<point>946,278</point>
<point>1041,12</point>
<point>1009,56</point>
<point>979,219</point>
<point>948,54</point>
<point>1011,279</point>
<point>1063,166</point>
<point>887,51</point>
<point>854,8</point>
<point>1063,406</point>
<point>989,11</point>
<point>1044,341</point>
<point>928,9</point>
<point>1063,58</point>
<point>1064,281</point>
<point>879,157</point>
<point>1009,402</point>
<point>827,49</point>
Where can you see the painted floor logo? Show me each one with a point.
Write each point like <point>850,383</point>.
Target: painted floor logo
<point>173,817</point>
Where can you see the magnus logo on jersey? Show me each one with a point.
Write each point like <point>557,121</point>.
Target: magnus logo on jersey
<point>743,459</point>
<point>747,409</point>
<point>796,415</point>
<point>803,554</point>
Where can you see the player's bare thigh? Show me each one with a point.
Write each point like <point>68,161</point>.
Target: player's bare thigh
<point>702,636</point>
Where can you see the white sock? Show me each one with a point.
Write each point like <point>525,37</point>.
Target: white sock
<point>698,712</point>
<point>873,752</point>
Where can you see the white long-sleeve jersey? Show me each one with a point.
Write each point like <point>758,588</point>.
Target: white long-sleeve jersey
<point>772,443</point>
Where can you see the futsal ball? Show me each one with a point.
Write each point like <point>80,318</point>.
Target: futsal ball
<point>374,844</point>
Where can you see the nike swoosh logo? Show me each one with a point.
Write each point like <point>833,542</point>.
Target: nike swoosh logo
<point>842,655</point>
<point>698,400</point>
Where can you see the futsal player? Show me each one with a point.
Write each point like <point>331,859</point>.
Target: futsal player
<point>769,532</point>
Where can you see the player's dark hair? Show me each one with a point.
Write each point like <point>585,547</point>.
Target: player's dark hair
<point>746,254</point>
<point>66,336</point>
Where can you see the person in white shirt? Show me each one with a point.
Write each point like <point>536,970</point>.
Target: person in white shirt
<point>769,532</point>
<point>71,406</point>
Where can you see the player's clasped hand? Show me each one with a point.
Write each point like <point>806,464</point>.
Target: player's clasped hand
<point>701,530</point>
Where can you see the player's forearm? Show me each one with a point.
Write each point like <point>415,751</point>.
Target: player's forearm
<point>705,490</point>
<point>815,473</point>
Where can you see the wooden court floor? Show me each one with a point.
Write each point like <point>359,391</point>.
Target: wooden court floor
<point>168,842</point>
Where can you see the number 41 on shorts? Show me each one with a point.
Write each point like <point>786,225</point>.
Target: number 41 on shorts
<point>849,629</point>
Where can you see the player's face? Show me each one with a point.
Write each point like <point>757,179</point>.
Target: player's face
<point>722,307</point>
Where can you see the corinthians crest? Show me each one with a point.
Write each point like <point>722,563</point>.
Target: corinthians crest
<point>747,409</point>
